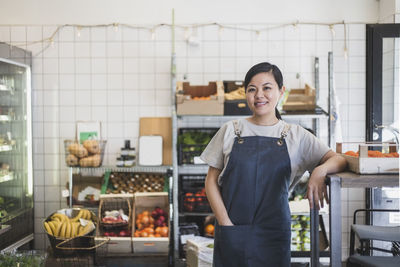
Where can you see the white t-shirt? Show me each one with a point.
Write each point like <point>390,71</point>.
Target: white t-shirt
<point>305,150</point>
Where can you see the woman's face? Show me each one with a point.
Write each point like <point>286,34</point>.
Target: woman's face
<point>263,94</point>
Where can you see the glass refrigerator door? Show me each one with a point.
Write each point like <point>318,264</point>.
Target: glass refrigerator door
<point>16,182</point>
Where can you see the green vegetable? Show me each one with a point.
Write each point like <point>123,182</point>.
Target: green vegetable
<point>210,245</point>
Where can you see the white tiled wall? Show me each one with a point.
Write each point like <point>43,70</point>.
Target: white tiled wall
<point>119,76</point>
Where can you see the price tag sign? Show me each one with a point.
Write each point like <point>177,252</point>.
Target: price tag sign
<point>65,193</point>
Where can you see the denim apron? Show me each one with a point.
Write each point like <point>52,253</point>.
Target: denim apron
<point>255,193</point>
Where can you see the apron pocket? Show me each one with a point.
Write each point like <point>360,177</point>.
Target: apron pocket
<point>232,245</point>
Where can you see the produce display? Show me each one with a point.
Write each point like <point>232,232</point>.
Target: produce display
<point>192,142</point>
<point>87,154</point>
<point>23,259</point>
<point>124,182</point>
<point>152,224</point>
<point>300,238</point>
<point>115,217</point>
<point>236,94</point>
<point>196,201</point>
<point>61,226</point>
<point>374,154</point>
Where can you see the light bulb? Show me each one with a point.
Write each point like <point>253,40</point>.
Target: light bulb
<point>51,42</point>
<point>186,36</point>
<point>345,53</point>
<point>332,31</point>
<point>220,31</point>
<point>78,31</point>
<point>257,35</point>
<point>115,26</point>
<point>153,34</point>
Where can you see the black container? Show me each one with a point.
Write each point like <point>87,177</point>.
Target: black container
<point>192,142</point>
<point>235,107</point>
<point>190,197</point>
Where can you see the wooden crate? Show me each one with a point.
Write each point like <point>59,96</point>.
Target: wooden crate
<point>300,99</point>
<point>150,245</point>
<point>363,164</point>
<point>117,246</point>
<point>189,102</point>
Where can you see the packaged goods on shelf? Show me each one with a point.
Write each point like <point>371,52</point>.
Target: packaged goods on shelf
<point>235,99</point>
<point>200,99</point>
<point>131,182</point>
<point>370,158</point>
<point>151,223</point>
<point>300,99</point>
<point>88,154</point>
<point>192,142</point>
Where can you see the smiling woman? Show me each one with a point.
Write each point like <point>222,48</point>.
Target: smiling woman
<point>264,87</point>
<point>254,163</point>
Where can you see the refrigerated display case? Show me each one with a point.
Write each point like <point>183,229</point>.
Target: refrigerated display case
<point>16,179</point>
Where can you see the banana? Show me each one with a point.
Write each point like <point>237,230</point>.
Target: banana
<point>68,231</point>
<point>77,217</point>
<point>73,229</point>
<point>52,227</point>
<point>62,230</point>
<point>58,225</point>
<point>87,215</point>
<point>62,217</point>
<point>47,227</point>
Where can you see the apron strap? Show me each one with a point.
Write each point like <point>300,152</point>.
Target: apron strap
<point>284,133</point>
<point>237,131</point>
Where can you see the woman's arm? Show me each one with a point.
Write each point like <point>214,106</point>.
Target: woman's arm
<point>214,197</point>
<point>330,163</point>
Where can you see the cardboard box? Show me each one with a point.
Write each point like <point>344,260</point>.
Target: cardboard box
<point>151,245</point>
<point>189,102</point>
<point>159,126</point>
<point>79,183</point>
<point>364,164</point>
<point>300,99</point>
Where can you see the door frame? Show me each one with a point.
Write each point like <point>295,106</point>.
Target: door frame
<point>374,40</point>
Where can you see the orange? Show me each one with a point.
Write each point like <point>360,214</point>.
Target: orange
<point>209,229</point>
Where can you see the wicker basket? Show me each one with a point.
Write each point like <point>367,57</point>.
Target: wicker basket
<point>88,154</point>
<point>54,241</point>
<point>115,203</point>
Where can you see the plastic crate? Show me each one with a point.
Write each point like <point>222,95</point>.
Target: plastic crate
<point>189,201</point>
<point>199,139</point>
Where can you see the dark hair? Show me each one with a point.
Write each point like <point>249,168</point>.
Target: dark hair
<point>265,67</point>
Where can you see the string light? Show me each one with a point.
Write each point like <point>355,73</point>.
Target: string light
<point>220,30</point>
<point>258,35</point>
<point>332,30</point>
<point>153,34</point>
<point>78,31</point>
<point>115,26</point>
<point>295,25</point>
<point>187,34</point>
<point>187,28</point>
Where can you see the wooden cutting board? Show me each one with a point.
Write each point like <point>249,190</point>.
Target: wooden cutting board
<point>159,126</point>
